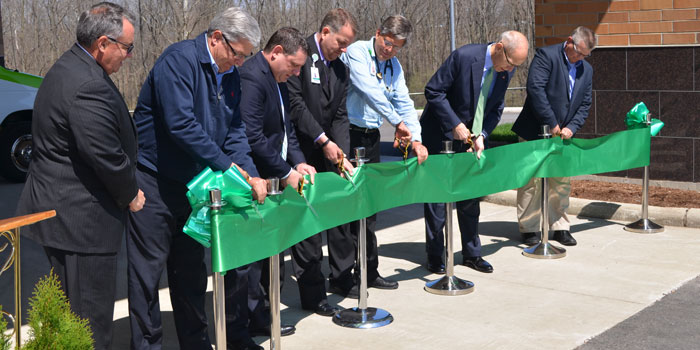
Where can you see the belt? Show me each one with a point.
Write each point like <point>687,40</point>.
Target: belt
<point>363,130</point>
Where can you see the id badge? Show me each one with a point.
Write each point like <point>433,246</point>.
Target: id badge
<point>315,76</point>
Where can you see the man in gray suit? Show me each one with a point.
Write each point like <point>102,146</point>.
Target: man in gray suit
<point>559,94</point>
<point>83,165</point>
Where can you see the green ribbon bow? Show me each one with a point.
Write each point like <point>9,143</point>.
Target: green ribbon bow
<point>637,119</point>
<point>235,192</point>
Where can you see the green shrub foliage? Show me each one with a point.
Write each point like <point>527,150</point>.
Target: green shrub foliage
<point>5,339</point>
<point>52,323</point>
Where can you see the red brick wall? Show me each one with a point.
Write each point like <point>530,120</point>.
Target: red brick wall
<point>620,22</point>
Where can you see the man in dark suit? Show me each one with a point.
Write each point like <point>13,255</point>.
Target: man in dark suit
<point>83,165</point>
<point>465,101</point>
<point>188,119</point>
<point>317,97</point>
<point>275,149</point>
<point>559,94</point>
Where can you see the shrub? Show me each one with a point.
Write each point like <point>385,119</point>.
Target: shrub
<point>52,323</point>
<point>5,339</point>
<point>502,133</point>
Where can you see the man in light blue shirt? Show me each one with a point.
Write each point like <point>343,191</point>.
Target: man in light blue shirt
<point>378,92</point>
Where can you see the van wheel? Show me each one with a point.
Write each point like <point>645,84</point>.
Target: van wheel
<point>15,151</point>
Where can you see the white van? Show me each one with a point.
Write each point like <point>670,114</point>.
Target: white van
<point>17,93</point>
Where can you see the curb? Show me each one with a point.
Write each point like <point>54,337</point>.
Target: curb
<point>681,217</point>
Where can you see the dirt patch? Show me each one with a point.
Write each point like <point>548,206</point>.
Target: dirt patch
<point>630,193</point>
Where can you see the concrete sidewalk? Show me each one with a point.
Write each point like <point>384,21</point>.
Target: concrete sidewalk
<point>525,304</point>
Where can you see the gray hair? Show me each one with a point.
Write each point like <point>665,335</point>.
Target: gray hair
<point>103,19</point>
<point>513,40</point>
<point>236,24</point>
<point>585,35</point>
<point>397,26</point>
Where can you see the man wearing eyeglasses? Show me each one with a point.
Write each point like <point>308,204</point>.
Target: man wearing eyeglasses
<point>83,166</point>
<point>187,119</point>
<point>378,92</point>
<point>559,94</point>
<point>465,102</point>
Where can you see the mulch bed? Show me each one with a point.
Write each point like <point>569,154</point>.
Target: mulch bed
<point>631,193</point>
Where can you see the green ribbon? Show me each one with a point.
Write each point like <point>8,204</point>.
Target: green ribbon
<point>239,237</point>
<point>637,119</point>
<point>235,191</point>
<point>20,78</point>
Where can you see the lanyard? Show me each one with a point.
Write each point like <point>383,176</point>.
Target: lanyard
<point>388,64</point>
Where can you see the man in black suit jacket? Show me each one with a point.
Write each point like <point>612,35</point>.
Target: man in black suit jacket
<point>559,94</point>
<point>453,96</point>
<point>275,149</point>
<point>83,165</point>
<point>317,98</point>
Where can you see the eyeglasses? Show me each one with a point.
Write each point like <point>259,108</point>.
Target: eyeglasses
<point>505,53</point>
<point>235,54</point>
<point>392,46</point>
<point>581,53</point>
<point>128,47</point>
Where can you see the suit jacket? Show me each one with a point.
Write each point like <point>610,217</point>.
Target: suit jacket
<point>185,121</point>
<point>548,100</point>
<point>319,108</point>
<point>83,160</point>
<point>453,93</point>
<point>262,114</point>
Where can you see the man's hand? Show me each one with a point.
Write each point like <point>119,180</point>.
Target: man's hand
<point>348,166</point>
<point>566,133</point>
<point>243,172</point>
<point>293,179</point>
<point>138,202</point>
<point>461,133</point>
<point>402,134</point>
<point>420,151</point>
<point>259,188</point>
<point>306,169</point>
<point>478,146</point>
<point>556,131</point>
<point>332,152</point>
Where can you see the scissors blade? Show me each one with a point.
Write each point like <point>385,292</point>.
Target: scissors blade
<point>347,176</point>
<point>309,205</point>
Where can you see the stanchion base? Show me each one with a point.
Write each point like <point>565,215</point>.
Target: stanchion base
<point>544,251</point>
<point>644,226</point>
<point>449,285</point>
<point>363,318</point>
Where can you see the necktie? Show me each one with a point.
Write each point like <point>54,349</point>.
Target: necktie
<point>283,154</point>
<point>483,96</point>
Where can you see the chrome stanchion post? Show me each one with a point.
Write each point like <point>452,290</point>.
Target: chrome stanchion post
<point>362,316</point>
<point>276,323</point>
<point>215,204</point>
<point>544,249</point>
<point>644,225</point>
<point>449,284</point>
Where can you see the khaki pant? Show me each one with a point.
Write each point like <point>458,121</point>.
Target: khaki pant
<point>530,203</point>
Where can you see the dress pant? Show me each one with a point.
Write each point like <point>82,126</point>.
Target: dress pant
<point>245,302</point>
<point>370,140</point>
<point>89,282</point>
<point>307,255</point>
<point>468,217</point>
<point>155,241</point>
<point>530,204</point>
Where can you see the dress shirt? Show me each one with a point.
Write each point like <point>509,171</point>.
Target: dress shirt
<point>219,76</point>
<point>370,99</point>
<point>572,72</point>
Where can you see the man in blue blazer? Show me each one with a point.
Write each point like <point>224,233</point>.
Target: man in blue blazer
<point>465,101</point>
<point>188,119</point>
<point>265,111</point>
<point>559,94</point>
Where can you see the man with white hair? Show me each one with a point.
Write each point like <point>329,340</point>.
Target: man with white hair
<point>188,119</point>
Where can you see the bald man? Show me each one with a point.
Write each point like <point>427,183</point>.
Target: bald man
<point>465,101</point>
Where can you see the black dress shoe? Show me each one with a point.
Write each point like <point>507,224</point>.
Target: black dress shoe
<point>564,237</point>
<point>285,330</point>
<point>478,264</point>
<point>247,344</point>
<point>435,265</point>
<point>325,309</point>
<point>531,238</point>
<point>351,293</point>
<point>383,283</point>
